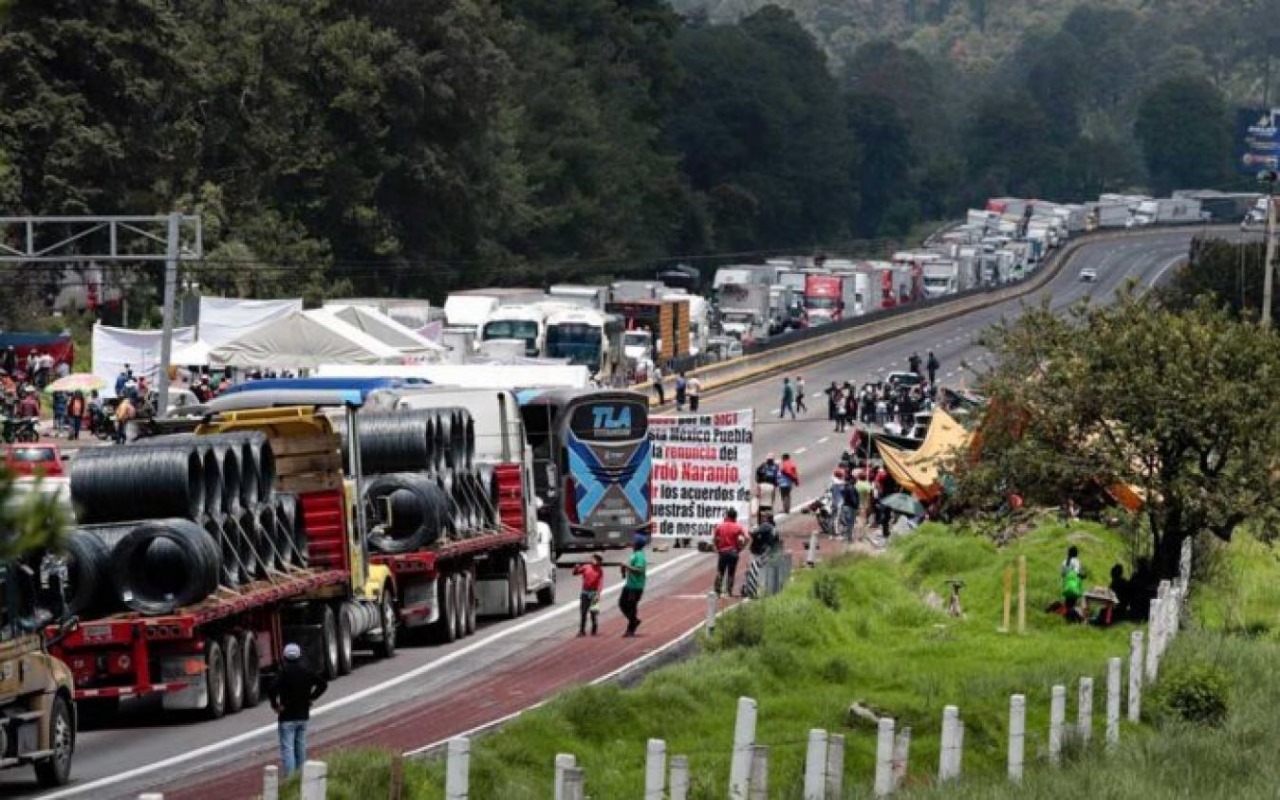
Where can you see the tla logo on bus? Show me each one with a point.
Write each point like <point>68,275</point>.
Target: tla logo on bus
<point>612,418</point>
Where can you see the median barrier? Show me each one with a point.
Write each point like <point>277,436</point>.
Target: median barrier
<point>861,332</point>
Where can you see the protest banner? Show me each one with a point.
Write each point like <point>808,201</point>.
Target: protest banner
<point>702,466</point>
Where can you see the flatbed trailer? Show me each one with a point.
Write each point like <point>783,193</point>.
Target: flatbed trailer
<point>211,656</point>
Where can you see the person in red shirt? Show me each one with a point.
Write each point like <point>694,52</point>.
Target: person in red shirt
<point>589,601</point>
<point>729,539</point>
<point>788,479</point>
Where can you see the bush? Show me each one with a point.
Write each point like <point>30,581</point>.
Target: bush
<point>826,590</point>
<point>1194,692</point>
<point>743,628</point>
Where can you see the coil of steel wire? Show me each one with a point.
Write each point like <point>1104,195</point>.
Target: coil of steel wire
<point>410,511</point>
<point>162,565</point>
<point>115,484</point>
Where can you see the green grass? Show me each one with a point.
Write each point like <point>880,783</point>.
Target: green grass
<point>805,664</point>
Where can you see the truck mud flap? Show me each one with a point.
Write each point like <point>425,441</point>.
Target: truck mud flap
<point>194,694</point>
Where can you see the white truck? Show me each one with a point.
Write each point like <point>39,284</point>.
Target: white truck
<point>699,318</point>
<point>627,291</point>
<point>526,323</point>
<point>469,308</point>
<point>1167,211</point>
<point>941,277</point>
<point>593,297</point>
<point>585,336</point>
<point>1110,214</point>
<point>744,310</point>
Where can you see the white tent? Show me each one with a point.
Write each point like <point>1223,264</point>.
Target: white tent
<point>195,354</point>
<point>388,331</point>
<point>224,319</point>
<point>114,347</point>
<point>304,340</point>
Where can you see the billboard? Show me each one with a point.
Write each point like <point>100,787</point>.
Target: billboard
<point>702,466</point>
<point>1257,140</point>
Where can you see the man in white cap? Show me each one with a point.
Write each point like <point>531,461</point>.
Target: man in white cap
<point>292,692</point>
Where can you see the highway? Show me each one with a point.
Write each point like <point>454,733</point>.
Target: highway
<point>143,751</point>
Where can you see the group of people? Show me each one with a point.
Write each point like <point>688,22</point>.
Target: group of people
<point>688,390</point>
<point>1123,599</point>
<point>880,403</point>
<point>775,481</point>
<point>857,503</point>
<point>37,369</point>
<point>634,573</point>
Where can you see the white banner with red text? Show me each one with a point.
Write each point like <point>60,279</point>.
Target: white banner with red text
<point>702,466</point>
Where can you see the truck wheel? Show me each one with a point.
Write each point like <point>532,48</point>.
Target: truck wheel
<point>329,643</point>
<point>344,641</point>
<point>252,669</point>
<point>56,769</point>
<point>522,581</point>
<point>446,628</point>
<point>469,596</point>
<point>215,680</point>
<point>234,658</point>
<point>458,587</point>
<point>386,647</point>
<point>515,589</point>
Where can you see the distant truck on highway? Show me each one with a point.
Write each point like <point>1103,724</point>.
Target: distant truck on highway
<point>593,297</point>
<point>744,310</point>
<point>1167,211</point>
<point>829,298</point>
<point>469,308</point>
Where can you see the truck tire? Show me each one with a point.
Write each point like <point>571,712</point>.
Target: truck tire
<point>56,769</point>
<point>547,594</point>
<point>386,646</point>
<point>215,677</point>
<point>469,596</point>
<point>252,669</point>
<point>458,586</point>
<point>514,589</point>
<point>446,626</point>
<point>344,641</point>
<point>234,658</point>
<point>329,644</point>
<point>522,581</point>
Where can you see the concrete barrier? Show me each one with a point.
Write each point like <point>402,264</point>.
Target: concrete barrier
<point>748,369</point>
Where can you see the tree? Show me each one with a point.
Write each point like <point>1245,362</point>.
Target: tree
<point>1179,404</point>
<point>1185,134</point>
<point>1229,272</point>
<point>883,162</point>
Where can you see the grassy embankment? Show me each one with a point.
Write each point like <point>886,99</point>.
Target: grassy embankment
<point>806,662</point>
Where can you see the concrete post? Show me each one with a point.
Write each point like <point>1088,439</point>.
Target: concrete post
<point>271,782</point>
<point>564,762</point>
<point>713,605</point>
<point>811,555</point>
<point>759,773</point>
<point>744,736</point>
<point>835,765</point>
<point>946,752</point>
<point>901,753</point>
<point>1154,624</point>
<point>1084,711</point>
<point>884,758</point>
<point>315,780</point>
<point>457,776</point>
<point>1057,718</point>
<point>679,778</point>
<point>1113,702</point>
<point>815,766</point>
<point>957,757</point>
<point>1017,735</point>
<point>1135,676</point>
<point>574,784</point>
<point>655,770</point>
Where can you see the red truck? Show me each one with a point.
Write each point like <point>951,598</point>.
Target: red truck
<point>830,298</point>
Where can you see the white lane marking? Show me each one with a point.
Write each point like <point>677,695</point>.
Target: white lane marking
<point>774,412</point>
<point>363,694</point>
<point>1165,269</point>
<point>801,450</point>
<point>823,440</point>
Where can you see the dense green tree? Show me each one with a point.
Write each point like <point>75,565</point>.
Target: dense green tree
<point>882,166</point>
<point>1178,404</point>
<point>1009,150</point>
<point>1185,134</point>
<point>1229,272</point>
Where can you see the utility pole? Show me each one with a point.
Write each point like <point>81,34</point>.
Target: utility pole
<point>1268,268</point>
<point>172,253</point>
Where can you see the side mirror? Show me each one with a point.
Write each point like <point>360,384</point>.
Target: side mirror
<point>65,628</point>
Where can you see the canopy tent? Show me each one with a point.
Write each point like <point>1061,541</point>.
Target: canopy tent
<point>304,340</point>
<point>114,347</point>
<point>386,330</point>
<point>917,471</point>
<point>195,354</point>
<point>224,319</point>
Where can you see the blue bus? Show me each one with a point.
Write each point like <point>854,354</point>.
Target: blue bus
<point>591,464</point>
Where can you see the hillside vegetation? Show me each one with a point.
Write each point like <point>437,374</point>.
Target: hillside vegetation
<point>408,147</point>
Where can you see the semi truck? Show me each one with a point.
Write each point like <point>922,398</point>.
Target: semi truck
<point>829,298</point>
<point>592,297</point>
<point>667,322</point>
<point>1167,211</point>
<point>469,308</point>
<point>941,277</point>
<point>744,310</point>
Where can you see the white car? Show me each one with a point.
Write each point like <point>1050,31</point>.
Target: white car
<point>1089,275</point>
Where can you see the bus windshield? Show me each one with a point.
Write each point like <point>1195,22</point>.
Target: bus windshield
<point>522,329</point>
<point>579,342</point>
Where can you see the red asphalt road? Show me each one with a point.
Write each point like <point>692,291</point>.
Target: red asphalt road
<point>535,677</point>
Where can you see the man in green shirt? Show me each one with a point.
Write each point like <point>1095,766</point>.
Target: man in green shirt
<point>634,571</point>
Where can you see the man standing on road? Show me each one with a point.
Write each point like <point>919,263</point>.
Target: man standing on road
<point>589,601</point>
<point>788,399</point>
<point>913,363</point>
<point>933,366</point>
<point>729,539</point>
<point>763,541</point>
<point>800,395</point>
<point>633,589</point>
<point>292,693</point>
<point>788,479</point>
<point>694,388</point>
<point>657,385</point>
<point>682,392</point>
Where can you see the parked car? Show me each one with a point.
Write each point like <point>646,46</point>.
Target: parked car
<point>28,460</point>
<point>1089,275</point>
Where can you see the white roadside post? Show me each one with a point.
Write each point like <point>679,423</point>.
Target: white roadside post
<point>679,778</point>
<point>1153,640</point>
<point>1057,718</point>
<point>315,780</point>
<point>457,776</point>
<point>946,753</point>
<point>713,605</point>
<point>574,784</point>
<point>744,737</point>
<point>759,773</point>
<point>655,770</point>
<point>1113,701</point>
<point>957,756</point>
<point>564,763</point>
<point>884,757</point>
<point>815,766</point>
<point>901,752</point>
<point>811,556</point>
<point>271,782</point>
<point>1017,735</point>
<point>835,765</point>
<point>151,796</point>
<point>1084,711</point>
<point>1135,676</point>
